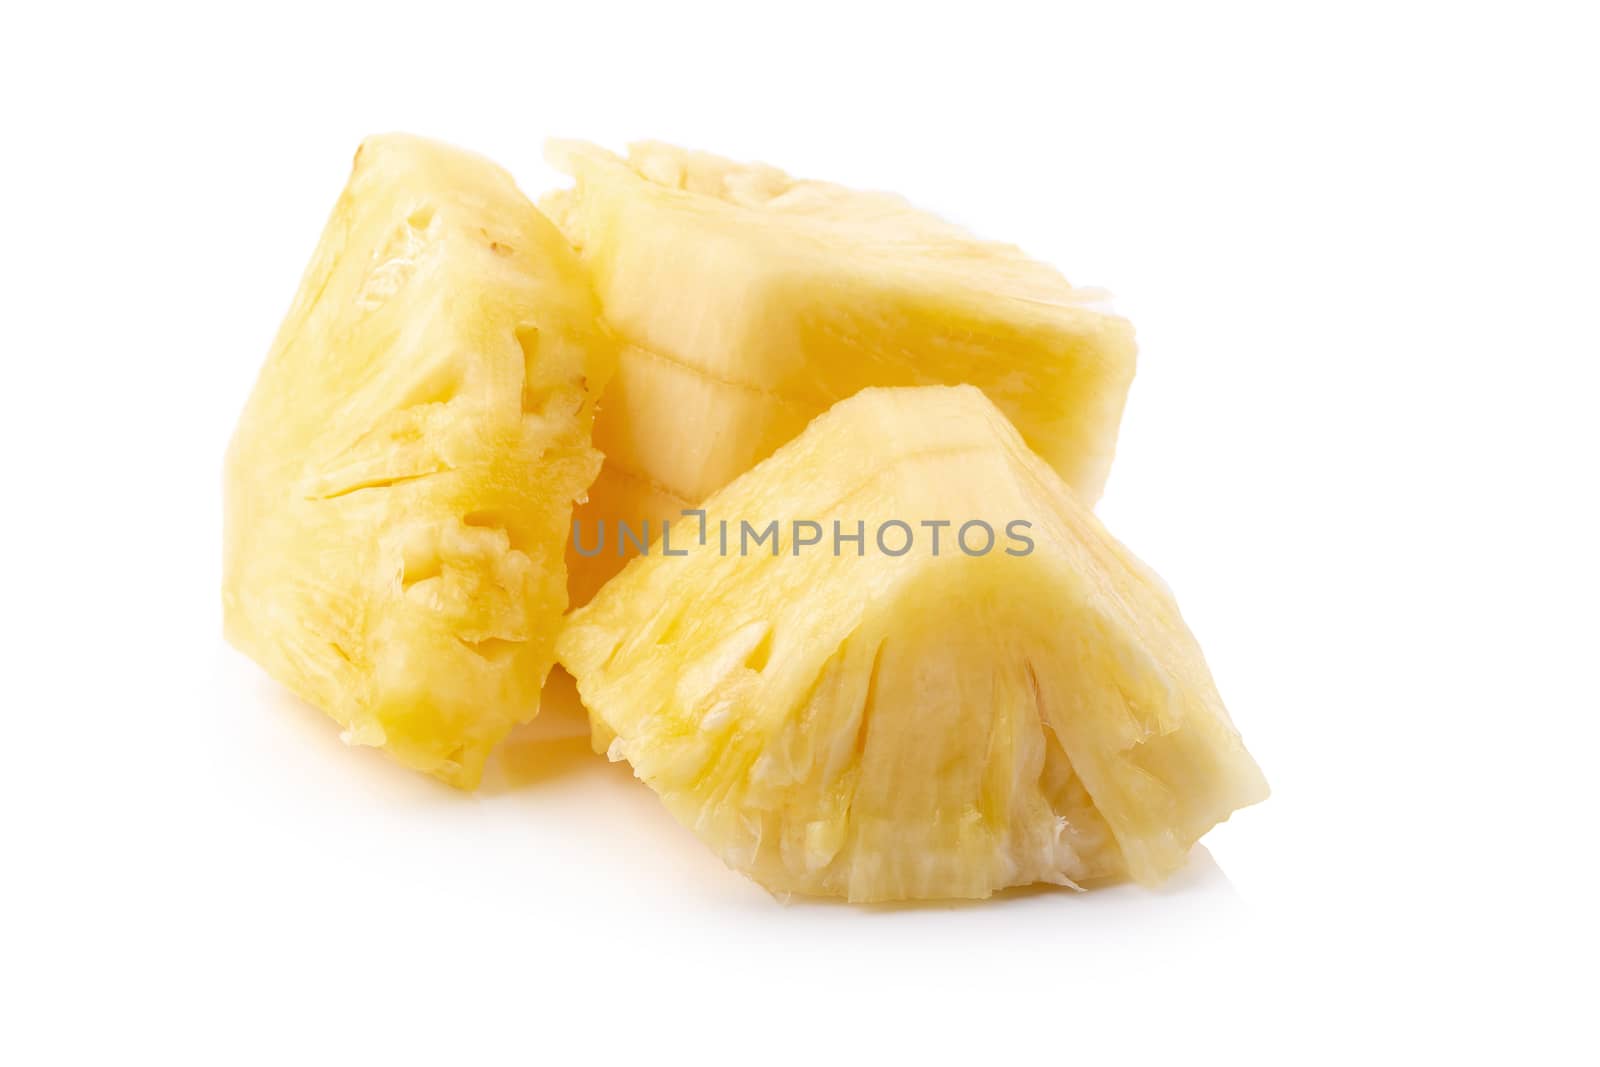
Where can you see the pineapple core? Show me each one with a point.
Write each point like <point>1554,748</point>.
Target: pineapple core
<point>400,485</point>
<point>883,702</point>
<point>749,302</point>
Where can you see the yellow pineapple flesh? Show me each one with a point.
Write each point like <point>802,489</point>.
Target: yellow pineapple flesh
<point>850,719</point>
<point>400,485</point>
<point>749,302</point>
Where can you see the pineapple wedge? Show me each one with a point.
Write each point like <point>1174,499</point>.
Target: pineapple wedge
<point>400,484</point>
<point>900,717</point>
<point>749,302</point>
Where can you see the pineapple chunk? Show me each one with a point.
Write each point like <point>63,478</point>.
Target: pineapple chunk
<point>400,484</point>
<point>966,715</point>
<point>750,302</point>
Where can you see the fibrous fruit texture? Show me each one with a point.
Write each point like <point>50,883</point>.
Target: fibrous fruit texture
<point>400,485</point>
<point>924,712</point>
<point>749,302</point>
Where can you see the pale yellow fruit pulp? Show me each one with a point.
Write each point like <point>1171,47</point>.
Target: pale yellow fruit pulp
<point>749,302</point>
<point>927,725</point>
<point>400,485</point>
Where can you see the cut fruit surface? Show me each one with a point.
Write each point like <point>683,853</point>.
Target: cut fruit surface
<point>749,302</point>
<point>899,717</point>
<point>400,485</point>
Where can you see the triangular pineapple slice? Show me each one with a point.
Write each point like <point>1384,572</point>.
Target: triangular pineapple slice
<point>1018,706</point>
<point>750,302</point>
<point>400,485</point>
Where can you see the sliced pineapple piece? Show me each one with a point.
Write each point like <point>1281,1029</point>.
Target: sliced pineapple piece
<point>751,302</point>
<point>400,485</point>
<point>910,718</point>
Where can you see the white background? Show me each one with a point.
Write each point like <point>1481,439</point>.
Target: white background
<point>1362,252</point>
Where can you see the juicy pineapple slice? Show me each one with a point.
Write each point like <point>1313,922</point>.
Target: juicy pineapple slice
<point>945,722</point>
<point>750,302</point>
<point>400,485</point>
